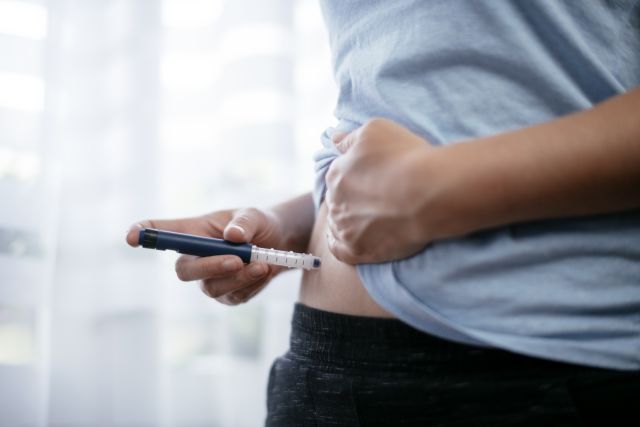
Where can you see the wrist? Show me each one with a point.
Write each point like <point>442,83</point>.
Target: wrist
<point>276,223</point>
<point>294,221</point>
<point>428,178</point>
<point>451,203</point>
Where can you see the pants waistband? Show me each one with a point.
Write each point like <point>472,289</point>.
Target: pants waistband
<point>324,336</point>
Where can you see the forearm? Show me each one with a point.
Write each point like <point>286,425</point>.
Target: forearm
<point>296,217</point>
<point>585,163</point>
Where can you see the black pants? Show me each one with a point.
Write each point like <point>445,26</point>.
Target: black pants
<point>357,371</point>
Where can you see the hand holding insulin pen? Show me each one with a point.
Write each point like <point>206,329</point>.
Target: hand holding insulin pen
<point>209,246</point>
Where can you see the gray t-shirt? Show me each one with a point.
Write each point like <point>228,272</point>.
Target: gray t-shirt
<point>453,70</point>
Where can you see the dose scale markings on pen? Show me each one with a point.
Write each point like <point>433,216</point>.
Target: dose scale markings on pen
<point>210,246</point>
<point>285,258</point>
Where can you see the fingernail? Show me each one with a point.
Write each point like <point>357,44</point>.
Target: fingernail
<point>257,270</point>
<point>230,265</point>
<point>237,227</point>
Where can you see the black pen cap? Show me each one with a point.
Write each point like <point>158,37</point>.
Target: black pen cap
<point>148,238</point>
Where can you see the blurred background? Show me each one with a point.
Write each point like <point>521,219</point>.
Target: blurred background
<point>117,110</point>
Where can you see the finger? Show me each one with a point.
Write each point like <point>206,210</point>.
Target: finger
<point>331,180</point>
<point>214,267</point>
<point>133,234</point>
<point>340,250</point>
<point>335,174</point>
<point>246,277</point>
<point>338,220</point>
<point>195,225</point>
<point>243,295</point>
<point>328,198</point>
<point>244,224</point>
<point>338,136</point>
<point>346,142</point>
<point>217,288</point>
<point>332,226</point>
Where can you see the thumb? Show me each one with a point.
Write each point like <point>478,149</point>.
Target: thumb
<point>133,234</point>
<point>243,225</point>
<point>344,141</point>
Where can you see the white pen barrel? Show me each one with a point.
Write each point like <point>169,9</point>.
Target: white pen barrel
<point>284,258</point>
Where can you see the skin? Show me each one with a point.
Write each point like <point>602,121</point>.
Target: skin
<point>390,181</point>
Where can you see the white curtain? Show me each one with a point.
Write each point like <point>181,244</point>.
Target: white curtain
<point>117,110</point>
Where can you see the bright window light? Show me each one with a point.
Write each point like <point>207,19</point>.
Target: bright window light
<point>17,348</point>
<point>189,71</point>
<point>255,107</point>
<point>189,132</point>
<point>21,92</point>
<point>308,17</point>
<point>23,166</point>
<point>190,14</point>
<point>255,40</point>
<point>23,19</point>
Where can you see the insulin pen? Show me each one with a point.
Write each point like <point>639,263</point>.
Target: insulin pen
<point>209,246</point>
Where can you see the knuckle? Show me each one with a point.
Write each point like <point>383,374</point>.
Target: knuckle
<point>246,215</point>
<point>246,280</point>
<point>336,227</point>
<point>333,210</point>
<point>204,287</point>
<point>332,173</point>
<point>358,250</point>
<point>337,232</point>
<point>209,289</point>
<point>333,178</point>
<point>373,129</point>
<point>373,124</point>
<point>181,269</point>
<point>240,220</point>
<point>209,268</point>
<point>341,255</point>
<point>251,212</point>
<point>328,197</point>
<point>347,235</point>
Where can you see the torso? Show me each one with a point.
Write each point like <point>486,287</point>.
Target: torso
<point>335,286</point>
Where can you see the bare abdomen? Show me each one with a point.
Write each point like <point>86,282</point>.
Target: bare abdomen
<point>336,286</point>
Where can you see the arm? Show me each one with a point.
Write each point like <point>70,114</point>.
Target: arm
<point>581,164</point>
<point>585,163</point>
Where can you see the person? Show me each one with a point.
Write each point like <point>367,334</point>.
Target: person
<point>477,211</point>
